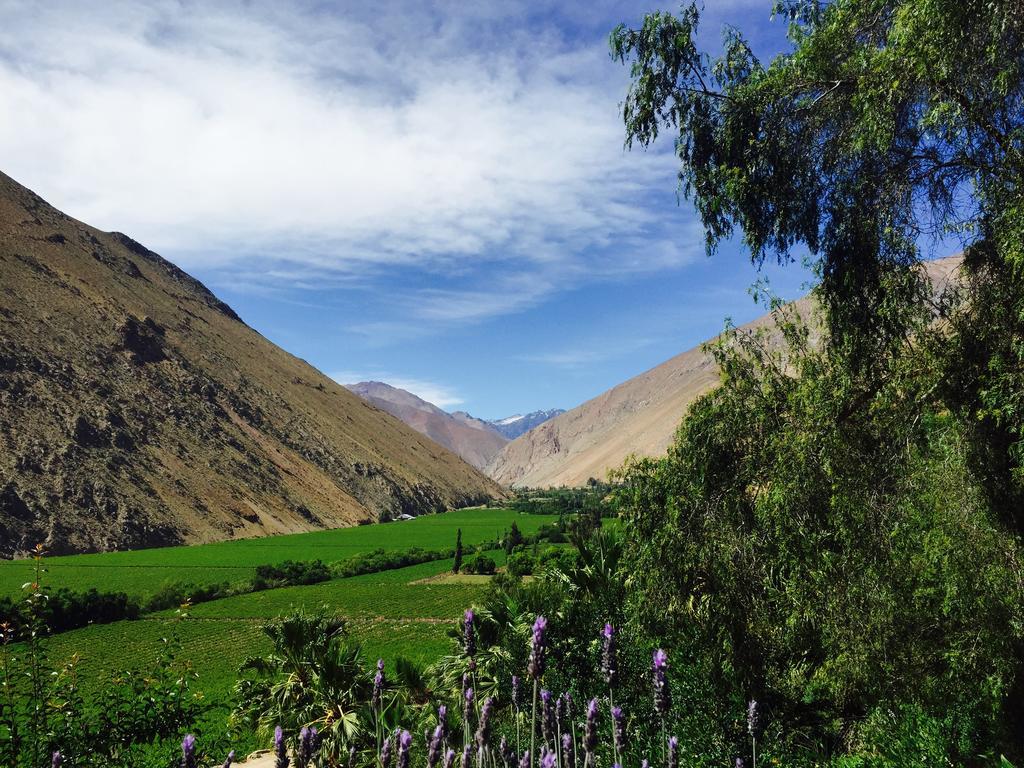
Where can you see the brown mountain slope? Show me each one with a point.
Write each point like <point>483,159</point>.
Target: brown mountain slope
<point>639,416</point>
<point>136,409</point>
<point>472,439</point>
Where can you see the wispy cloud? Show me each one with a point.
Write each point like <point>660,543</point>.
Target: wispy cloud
<point>338,141</point>
<point>587,354</point>
<point>440,395</point>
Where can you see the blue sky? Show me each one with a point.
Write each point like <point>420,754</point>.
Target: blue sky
<point>430,194</point>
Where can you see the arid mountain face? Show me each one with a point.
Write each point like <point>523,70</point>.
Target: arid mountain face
<point>136,409</point>
<point>474,440</point>
<point>639,416</point>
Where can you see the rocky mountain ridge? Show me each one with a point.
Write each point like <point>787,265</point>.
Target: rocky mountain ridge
<point>137,409</point>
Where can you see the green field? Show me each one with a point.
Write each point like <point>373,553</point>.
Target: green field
<point>142,572</point>
<point>389,613</point>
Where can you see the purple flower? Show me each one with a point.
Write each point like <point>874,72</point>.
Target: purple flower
<point>280,750</point>
<point>524,761</point>
<point>590,732</point>
<point>188,752</point>
<point>508,755</point>
<point>404,742</point>
<point>230,759</point>
<point>467,707</point>
<point>434,750</point>
<point>308,742</point>
<point>515,692</point>
<point>385,753</point>
<point>468,634</point>
<point>619,728</point>
<point>547,717</point>
<point>645,763</point>
<point>548,759</point>
<point>449,758</point>
<point>568,753</point>
<point>673,752</point>
<point>483,730</point>
<point>740,763</point>
<point>609,665</point>
<point>466,755</point>
<point>56,759</point>
<point>755,719</point>
<point>378,686</point>
<point>662,699</point>
<point>537,648</point>
<point>442,723</point>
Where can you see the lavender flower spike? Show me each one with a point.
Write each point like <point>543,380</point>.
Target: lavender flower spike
<point>609,663</point>
<point>515,692</point>
<point>537,648</point>
<point>645,763</point>
<point>662,699</point>
<point>619,728</point>
<point>280,750</point>
<point>741,763</point>
<point>56,760</point>
<point>673,752</point>
<point>434,750</point>
<point>547,717</point>
<point>483,730</point>
<point>524,761</point>
<point>755,721</point>
<point>385,753</point>
<point>467,707</point>
<point>230,759</point>
<point>590,732</point>
<point>469,634</point>
<point>449,758</point>
<point>188,752</point>
<point>378,686</point>
<point>507,754</point>
<point>548,759</point>
<point>404,742</point>
<point>568,752</point>
<point>466,755</point>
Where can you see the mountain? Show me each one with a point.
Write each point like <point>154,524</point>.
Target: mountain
<point>476,441</point>
<point>639,416</point>
<point>514,426</point>
<point>137,409</point>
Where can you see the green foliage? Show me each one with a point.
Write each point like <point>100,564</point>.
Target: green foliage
<point>129,720</point>
<point>520,564</point>
<point>313,676</point>
<point>836,530</point>
<point>481,565</point>
<point>458,552</point>
<point>290,574</point>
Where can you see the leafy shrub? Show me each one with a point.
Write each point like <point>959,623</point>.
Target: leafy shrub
<point>520,564</point>
<point>290,573</point>
<point>480,564</point>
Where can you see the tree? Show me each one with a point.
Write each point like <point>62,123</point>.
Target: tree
<point>836,529</point>
<point>458,552</point>
<point>514,538</point>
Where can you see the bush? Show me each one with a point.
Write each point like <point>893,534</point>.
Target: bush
<point>480,565</point>
<point>289,574</point>
<point>520,564</point>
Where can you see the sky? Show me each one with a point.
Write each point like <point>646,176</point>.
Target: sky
<point>435,195</point>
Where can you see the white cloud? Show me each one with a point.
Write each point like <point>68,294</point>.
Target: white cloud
<point>440,395</point>
<point>242,132</point>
